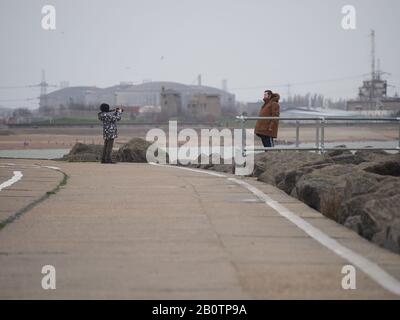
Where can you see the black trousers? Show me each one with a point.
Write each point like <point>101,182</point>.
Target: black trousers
<point>107,150</point>
<point>267,141</point>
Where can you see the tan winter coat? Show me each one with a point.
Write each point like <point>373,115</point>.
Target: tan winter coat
<point>269,127</point>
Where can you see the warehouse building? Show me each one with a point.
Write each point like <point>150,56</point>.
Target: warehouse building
<point>172,97</point>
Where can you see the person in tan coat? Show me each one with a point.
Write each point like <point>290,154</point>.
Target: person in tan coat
<point>267,129</point>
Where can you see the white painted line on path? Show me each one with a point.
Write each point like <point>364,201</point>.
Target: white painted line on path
<point>16,177</point>
<point>370,268</point>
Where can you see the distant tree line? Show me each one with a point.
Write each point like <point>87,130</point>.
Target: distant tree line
<point>22,113</point>
<point>313,101</point>
<point>72,109</point>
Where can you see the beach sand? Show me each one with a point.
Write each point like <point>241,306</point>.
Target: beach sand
<point>66,137</point>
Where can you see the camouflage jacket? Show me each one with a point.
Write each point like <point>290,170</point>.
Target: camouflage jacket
<point>109,120</point>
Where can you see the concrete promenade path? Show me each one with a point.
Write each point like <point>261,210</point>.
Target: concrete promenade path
<point>141,231</point>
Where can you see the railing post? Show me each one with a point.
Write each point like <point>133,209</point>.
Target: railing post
<point>297,133</point>
<point>243,127</point>
<point>398,145</point>
<point>322,134</point>
<point>317,125</point>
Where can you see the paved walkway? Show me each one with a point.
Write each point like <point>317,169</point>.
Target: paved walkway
<point>139,231</point>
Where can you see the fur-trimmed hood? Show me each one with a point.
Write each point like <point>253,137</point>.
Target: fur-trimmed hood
<point>275,97</point>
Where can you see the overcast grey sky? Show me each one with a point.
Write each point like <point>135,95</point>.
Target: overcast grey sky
<point>252,43</point>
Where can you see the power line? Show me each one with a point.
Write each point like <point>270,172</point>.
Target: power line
<point>14,87</point>
<point>15,100</point>
<point>299,83</point>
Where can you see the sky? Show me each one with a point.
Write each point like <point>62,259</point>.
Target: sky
<point>254,44</point>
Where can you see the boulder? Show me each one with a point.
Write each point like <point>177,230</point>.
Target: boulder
<point>338,151</point>
<point>373,211</point>
<point>216,163</point>
<point>213,159</point>
<point>135,151</point>
<point>354,223</point>
<point>376,218</point>
<point>213,162</point>
<point>81,152</point>
<point>287,180</point>
<point>347,158</point>
<point>285,176</point>
<point>385,167</point>
<point>198,162</point>
<point>226,168</point>
<point>359,183</point>
<point>389,236</point>
<point>390,186</point>
<point>268,165</point>
<point>323,189</point>
<point>372,155</point>
<point>360,188</point>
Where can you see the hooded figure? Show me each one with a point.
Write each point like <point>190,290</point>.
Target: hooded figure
<point>267,129</point>
<point>109,119</point>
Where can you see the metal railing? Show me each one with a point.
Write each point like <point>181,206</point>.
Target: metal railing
<point>320,124</point>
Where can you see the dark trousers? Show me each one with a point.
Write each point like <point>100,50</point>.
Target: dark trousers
<point>107,150</point>
<point>267,141</point>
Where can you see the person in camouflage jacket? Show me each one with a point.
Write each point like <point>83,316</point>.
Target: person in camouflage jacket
<point>110,132</point>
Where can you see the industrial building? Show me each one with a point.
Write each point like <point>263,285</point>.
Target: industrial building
<point>373,99</point>
<point>172,98</point>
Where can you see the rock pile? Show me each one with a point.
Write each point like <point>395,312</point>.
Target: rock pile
<point>361,190</point>
<point>81,152</point>
<point>133,151</point>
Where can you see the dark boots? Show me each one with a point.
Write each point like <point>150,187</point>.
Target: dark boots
<point>107,151</point>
